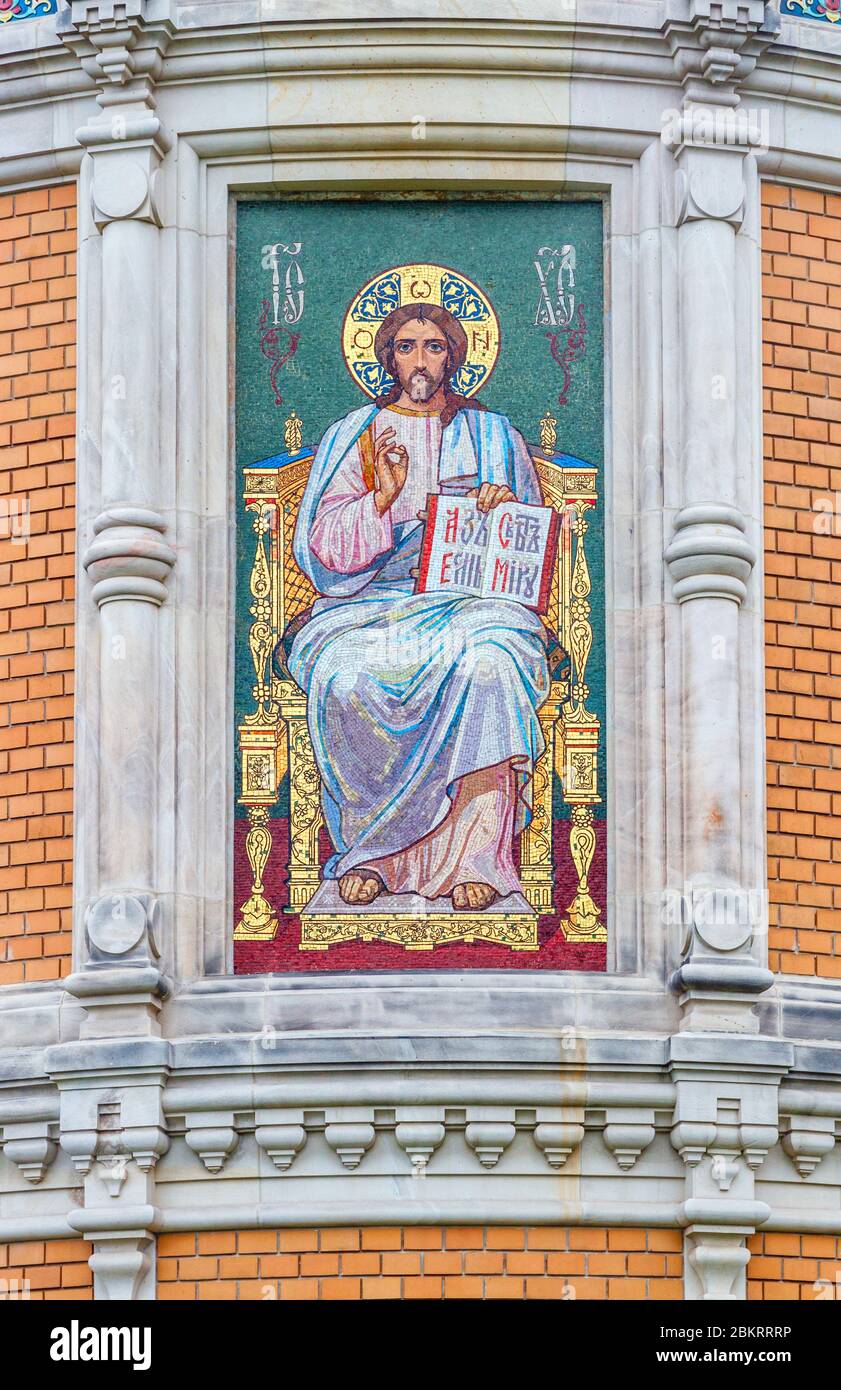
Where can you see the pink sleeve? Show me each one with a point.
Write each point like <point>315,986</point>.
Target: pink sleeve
<point>348,532</point>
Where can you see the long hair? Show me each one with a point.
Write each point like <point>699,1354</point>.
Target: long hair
<point>456,354</point>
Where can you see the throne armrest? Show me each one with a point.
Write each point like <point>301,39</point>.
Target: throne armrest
<point>283,646</point>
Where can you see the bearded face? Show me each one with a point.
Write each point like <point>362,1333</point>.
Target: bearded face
<point>421,385</point>
<point>421,358</point>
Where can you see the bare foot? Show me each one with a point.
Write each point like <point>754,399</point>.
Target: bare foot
<point>473,896</point>
<point>360,886</point>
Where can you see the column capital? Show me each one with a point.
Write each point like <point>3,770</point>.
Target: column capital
<point>121,46</point>
<point>716,44</point>
<point>119,43</point>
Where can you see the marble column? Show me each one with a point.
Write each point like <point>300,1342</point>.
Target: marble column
<point>713,549</point>
<point>127,558</point>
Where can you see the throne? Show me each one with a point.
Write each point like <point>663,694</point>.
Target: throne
<point>274,742</point>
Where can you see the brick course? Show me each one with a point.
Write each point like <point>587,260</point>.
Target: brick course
<point>45,1270</point>
<point>412,1262</point>
<point>802,364</point>
<point>794,1268</point>
<point>37,452</point>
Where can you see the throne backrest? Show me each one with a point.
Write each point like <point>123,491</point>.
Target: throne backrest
<point>273,490</point>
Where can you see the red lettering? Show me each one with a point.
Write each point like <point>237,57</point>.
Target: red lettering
<point>446,561</point>
<point>451,528</point>
<point>504,540</point>
<point>501,573</point>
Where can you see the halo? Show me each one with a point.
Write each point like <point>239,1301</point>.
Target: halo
<point>420,284</point>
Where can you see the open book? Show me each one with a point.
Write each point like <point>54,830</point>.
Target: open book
<point>508,553</point>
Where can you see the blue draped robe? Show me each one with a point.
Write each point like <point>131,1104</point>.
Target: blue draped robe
<point>407,693</point>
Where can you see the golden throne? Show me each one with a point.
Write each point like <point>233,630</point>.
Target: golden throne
<point>274,741</point>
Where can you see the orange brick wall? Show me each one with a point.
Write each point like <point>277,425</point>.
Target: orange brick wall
<point>37,438</point>
<point>44,1270</point>
<point>785,1267</point>
<point>422,1262</point>
<point>802,354</point>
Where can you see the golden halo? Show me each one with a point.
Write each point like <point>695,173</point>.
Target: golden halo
<point>420,284</point>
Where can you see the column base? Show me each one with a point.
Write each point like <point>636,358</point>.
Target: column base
<point>119,1001</point>
<point>719,996</point>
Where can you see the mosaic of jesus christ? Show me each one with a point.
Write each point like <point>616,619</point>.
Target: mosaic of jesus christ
<point>422,707</point>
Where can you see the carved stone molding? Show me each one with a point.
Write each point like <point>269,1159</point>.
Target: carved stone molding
<point>120,44</point>
<point>628,1138</point>
<point>129,560</point>
<point>282,1135</point>
<point>719,979</point>
<point>214,1144</point>
<point>692,1140</point>
<point>709,555</point>
<point>558,1141</point>
<point>124,186</point>
<point>807,1139</point>
<point>716,43</point>
<point>710,187</point>
<point>120,985</point>
<point>489,1140</point>
<point>121,1265</point>
<point>718,1257</point>
<point>419,1139</point>
<point>350,1141</point>
<point>281,1142</point>
<point>122,926</point>
<point>32,1156</point>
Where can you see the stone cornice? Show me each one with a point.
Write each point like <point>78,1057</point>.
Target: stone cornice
<point>431,45</point>
<point>51,79</point>
<point>208,1110</point>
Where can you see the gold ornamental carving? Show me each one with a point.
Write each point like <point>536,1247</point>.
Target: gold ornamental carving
<point>517,930</point>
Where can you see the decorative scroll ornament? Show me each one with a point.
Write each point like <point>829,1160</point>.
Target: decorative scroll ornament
<point>257,913</point>
<point>517,930</point>
<point>576,345</point>
<point>260,634</point>
<point>581,739</point>
<point>273,347</point>
<point>258,737</point>
<point>830,10</point>
<point>26,9</point>
<point>537,872</point>
<point>420,284</point>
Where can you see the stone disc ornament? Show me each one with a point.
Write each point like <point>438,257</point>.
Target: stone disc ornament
<point>422,285</point>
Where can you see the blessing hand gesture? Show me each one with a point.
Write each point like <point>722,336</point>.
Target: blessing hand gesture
<point>391,465</point>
